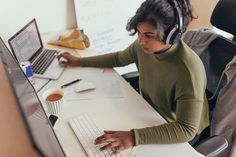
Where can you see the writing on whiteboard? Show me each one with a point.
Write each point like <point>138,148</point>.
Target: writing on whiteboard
<point>104,21</point>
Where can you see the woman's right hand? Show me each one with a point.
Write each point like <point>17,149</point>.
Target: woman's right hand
<point>66,59</point>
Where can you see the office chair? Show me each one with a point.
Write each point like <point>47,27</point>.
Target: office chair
<point>221,52</point>
<point>218,54</point>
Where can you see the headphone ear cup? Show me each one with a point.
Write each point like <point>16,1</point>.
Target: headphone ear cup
<point>173,35</point>
<point>177,37</point>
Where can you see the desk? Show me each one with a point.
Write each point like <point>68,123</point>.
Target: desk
<point>124,113</point>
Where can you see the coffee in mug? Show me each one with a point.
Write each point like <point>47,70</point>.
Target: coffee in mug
<point>54,100</point>
<point>54,97</point>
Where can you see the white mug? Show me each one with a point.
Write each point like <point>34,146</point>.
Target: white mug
<point>54,98</point>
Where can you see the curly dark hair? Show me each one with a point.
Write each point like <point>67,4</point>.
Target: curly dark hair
<point>161,15</point>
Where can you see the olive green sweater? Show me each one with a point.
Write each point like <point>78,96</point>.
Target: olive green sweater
<point>173,82</point>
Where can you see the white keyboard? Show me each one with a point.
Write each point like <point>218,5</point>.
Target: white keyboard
<point>87,131</point>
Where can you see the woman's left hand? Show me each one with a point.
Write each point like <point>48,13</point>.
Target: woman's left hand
<point>115,140</point>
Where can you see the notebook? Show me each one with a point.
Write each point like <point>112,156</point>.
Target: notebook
<point>26,45</point>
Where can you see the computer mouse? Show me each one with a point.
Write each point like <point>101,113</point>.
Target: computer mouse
<point>63,60</point>
<point>84,86</point>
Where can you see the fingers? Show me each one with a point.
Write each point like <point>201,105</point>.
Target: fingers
<point>114,146</point>
<point>115,141</point>
<point>109,141</point>
<point>99,138</point>
<point>110,145</point>
<point>106,138</point>
<point>63,58</point>
<point>105,135</point>
<point>64,54</point>
<point>68,59</point>
<point>117,149</point>
<point>106,141</point>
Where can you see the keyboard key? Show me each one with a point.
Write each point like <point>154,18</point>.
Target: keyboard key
<point>41,63</point>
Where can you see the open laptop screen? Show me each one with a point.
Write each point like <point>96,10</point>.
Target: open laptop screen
<point>25,43</point>
<point>38,125</point>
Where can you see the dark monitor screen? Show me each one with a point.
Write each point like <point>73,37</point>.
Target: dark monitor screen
<point>38,125</point>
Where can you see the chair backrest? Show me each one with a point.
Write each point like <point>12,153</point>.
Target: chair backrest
<point>221,50</point>
<point>215,58</point>
<point>219,53</point>
<point>223,16</point>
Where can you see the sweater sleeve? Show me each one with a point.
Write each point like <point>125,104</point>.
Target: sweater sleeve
<point>182,130</point>
<point>116,59</point>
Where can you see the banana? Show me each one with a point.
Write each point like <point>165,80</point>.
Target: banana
<point>63,37</point>
<point>85,38</point>
<point>78,44</point>
<point>76,39</point>
<point>74,35</point>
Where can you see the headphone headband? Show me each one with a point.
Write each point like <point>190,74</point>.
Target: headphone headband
<point>175,32</point>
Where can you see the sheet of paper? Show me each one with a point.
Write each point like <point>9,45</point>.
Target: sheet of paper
<point>39,83</point>
<point>107,85</point>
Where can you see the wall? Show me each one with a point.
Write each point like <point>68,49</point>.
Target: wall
<point>202,10</point>
<point>54,15</point>
<point>51,15</point>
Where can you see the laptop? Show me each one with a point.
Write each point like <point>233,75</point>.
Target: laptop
<point>39,128</point>
<point>26,45</point>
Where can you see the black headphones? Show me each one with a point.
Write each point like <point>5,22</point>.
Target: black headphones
<point>173,35</point>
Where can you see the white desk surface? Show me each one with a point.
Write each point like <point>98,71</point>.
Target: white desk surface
<point>124,113</point>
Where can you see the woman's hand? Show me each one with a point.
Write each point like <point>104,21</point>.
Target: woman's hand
<point>115,140</point>
<point>68,59</point>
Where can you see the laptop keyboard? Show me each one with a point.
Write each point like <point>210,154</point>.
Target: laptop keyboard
<point>43,61</point>
<point>86,131</point>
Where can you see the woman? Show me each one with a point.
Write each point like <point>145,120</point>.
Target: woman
<point>172,77</point>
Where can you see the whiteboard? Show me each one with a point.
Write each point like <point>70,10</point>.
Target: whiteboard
<point>104,21</point>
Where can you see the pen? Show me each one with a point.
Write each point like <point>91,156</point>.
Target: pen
<point>70,83</point>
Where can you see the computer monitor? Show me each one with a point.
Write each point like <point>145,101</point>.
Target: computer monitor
<point>40,130</point>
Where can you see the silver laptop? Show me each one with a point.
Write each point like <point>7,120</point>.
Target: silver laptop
<point>26,45</point>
